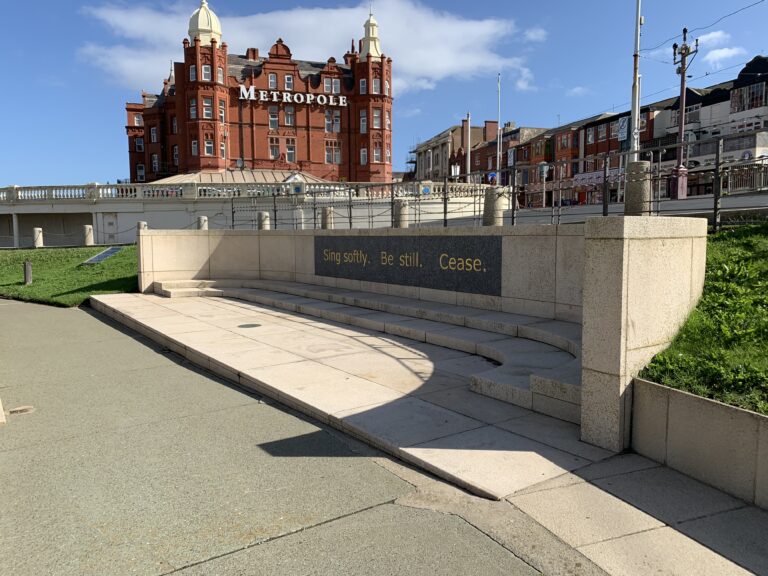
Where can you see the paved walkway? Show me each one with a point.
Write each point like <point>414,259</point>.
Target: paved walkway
<point>567,507</point>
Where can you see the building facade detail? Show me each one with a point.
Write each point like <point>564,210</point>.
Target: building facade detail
<point>220,111</point>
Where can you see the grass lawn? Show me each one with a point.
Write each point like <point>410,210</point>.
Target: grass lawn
<point>60,278</point>
<point>722,350</point>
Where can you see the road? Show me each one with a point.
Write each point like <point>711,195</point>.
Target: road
<point>133,461</point>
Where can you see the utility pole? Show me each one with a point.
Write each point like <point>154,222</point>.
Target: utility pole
<point>498,134</point>
<point>680,189</point>
<point>469,144</point>
<point>635,127</point>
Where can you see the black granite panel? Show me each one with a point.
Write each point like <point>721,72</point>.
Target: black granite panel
<point>460,263</point>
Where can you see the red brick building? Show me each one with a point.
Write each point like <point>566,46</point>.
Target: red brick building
<point>219,111</point>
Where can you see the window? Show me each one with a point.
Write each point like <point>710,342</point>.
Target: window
<point>615,130</point>
<point>327,85</point>
<point>332,152</point>
<point>206,72</point>
<point>328,121</point>
<point>209,147</point>
<point>194,148</point>
<point>207,108</point>
<point>590,135</point>
<point>192,73</point>
<point>376,86</point>
<point>601,132</point>
<point>155,163</point>
<point>389,155</point>
<point>389,121</point>
<point>222,110</point>
<point>220,75</point>
<point>363,156</point>
<point>363,86</point>
<point>377,118</point>
<point>274,148</point>
<point>223,150</point>
<point>336,85</point>
<point>175,155</point>
<point>289,82</point>
<point>153,134</point>
<point>377,153</point>
<point>337,121</point>
<point>273,81</point>
<point>333,121</point>
<point>643,120</point>
<point>290,150</point>
<point>140,173</point>
<point>363,121</point>
<point>174,125</point>
<point>193,109</point>
<point>139,142</point>
<point>290,116</point>
<point>273,121</point>
<point>564,141</point>
<point>386,87</point>
<point>748,97</point>
<point>138,120</point>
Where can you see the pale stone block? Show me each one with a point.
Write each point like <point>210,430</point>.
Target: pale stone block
<point>605,415</point>
<point>639,358</point>
<point>305,255</point>
<point>528,307</point>
<point>529,267</point>
<point>761,482</point>
<point>650,405</point>
<point>556,408</point>
<point>440,296</point>
<point>234,256</point>
<point>658,290</point>
<point>277,253</point>
<point>182,252</point>
<point>604,306</point>
<point>568,312</point>
<point>526,230</point>
<point>642,227</point>
<point>713,442</point>
<point>570,270</point>
<point>482,301</point>
<point>570,229</point>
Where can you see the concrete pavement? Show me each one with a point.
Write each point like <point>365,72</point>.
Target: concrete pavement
<point>135,461</point>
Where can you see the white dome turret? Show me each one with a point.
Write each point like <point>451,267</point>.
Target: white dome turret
<point>370,43</point>
<point>205,25</point>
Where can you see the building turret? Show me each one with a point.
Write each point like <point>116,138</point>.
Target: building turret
<point>370,44</point>
<point>204,24</point>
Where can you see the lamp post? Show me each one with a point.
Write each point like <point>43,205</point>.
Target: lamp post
<point>680,189</point>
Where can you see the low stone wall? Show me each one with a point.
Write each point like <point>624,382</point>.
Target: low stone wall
<point>538,268</point>
<point>721,445</point>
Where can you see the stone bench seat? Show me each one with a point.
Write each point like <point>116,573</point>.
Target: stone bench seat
<point>539,358</point>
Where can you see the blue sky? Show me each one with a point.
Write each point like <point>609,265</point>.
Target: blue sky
<point>71,66</point>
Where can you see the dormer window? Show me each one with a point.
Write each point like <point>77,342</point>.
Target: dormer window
<point>289,82</point>
<point>192,73</point>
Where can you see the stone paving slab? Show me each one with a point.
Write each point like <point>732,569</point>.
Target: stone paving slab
<point>365,383</point>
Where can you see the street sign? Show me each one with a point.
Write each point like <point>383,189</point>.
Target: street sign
<point>623,128</point>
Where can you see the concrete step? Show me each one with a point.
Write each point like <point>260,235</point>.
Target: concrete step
<point>539,373</point>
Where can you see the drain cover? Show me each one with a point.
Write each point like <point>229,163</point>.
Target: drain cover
<point>22,410</point>
<point>249,325</point>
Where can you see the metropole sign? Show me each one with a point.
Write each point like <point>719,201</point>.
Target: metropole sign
<point>251,93</point>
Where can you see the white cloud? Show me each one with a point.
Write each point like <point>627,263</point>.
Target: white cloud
<point>536,34</point>
<point>577,91</point>
<point>716,58</point>
<point>426,45</point>
<point>713,39</point>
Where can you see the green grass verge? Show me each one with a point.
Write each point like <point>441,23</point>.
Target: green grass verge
<point>722,350</point>
<point>60,278</point>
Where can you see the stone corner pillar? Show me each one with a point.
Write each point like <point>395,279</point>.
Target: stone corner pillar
<point>326,218</point>
<point>493,210</point>
<point>400,213</point>
<point>637,196</point>
<point>202,222</point>
<point>642,277</point>
<point>262,220</point>
<point>88,235</point>
<point>37,238</point>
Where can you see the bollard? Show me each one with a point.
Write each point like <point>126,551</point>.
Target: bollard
<point>37,235</point>
<point>27,273</point>
<point>637,197</point>
<point>202,222</point>
<point>88,235</point>
<point>262,220</point>
<point>400,213</point>
<point>493,212</point>
<point>326,221</point>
